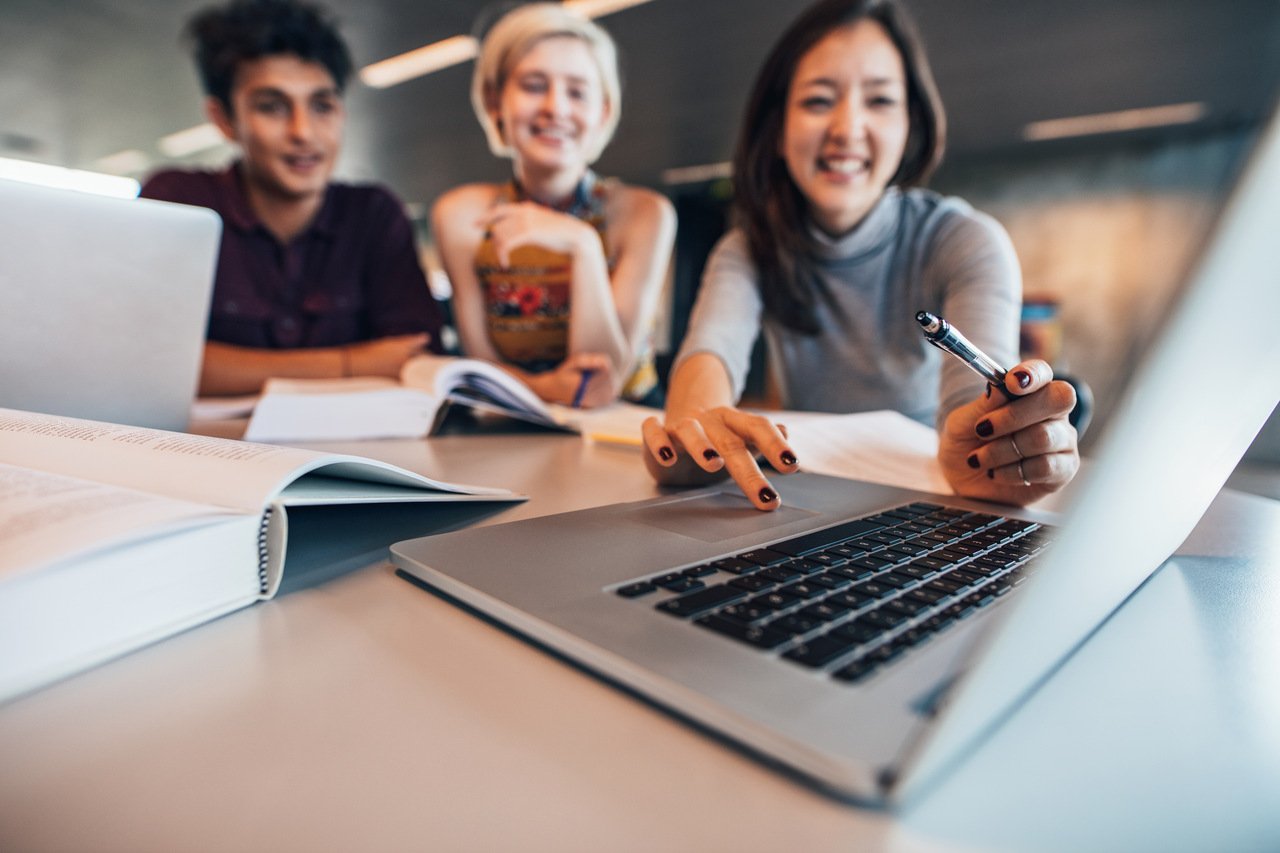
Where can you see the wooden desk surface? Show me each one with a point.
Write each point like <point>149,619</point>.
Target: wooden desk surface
<point>360,713</point>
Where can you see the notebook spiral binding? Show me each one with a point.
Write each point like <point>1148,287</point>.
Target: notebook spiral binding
<point>263,550</point>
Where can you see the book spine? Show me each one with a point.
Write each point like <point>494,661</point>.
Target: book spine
<point>264,552</point>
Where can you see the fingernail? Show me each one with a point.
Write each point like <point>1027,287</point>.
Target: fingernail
<point>768,495</point>
<point>1024,378</point>
<point>973,461</point>
<point>666,454</point>
<point>985,428</point>
<point>710,454</point>
<point>988,390</point>
<point>788,458</point>
<point>991,473</point>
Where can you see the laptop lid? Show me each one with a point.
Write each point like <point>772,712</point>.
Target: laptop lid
<point>103,304</point>
<point>1205,386</point>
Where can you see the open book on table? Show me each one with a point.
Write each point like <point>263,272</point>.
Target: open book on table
<point>117,536</point>
<point>371,407</point>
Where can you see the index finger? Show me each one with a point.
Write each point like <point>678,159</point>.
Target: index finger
<point>728,437</point>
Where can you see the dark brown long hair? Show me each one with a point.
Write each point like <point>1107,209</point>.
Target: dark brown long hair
<point>769,207</point>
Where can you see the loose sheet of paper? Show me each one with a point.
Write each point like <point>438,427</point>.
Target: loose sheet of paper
<point>879,447</point>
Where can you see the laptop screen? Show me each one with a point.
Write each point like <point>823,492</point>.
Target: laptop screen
<point>103,304</point>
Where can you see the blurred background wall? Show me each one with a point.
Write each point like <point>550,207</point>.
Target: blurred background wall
<point>1104,223</point>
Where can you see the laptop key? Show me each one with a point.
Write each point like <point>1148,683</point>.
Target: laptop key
<point>765,557</point>
<point>764,638</point>
<point>746,612</point>
<point>830,580</point>
<point>682,584</point>
<point>702,601</point>
<point>699,571</point>
<point>778,600</point>
<point>751,583</point>
<point>778,574</point>
<point>796,624</point>
<point>856,671</point>
<point>826,610</point>
<point>823,538</point>
<point>803,589</point>
<point>819,651</point>
<point>635,590</point>
<point>735,566</point>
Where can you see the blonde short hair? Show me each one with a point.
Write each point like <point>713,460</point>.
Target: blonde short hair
<point>511,39</point>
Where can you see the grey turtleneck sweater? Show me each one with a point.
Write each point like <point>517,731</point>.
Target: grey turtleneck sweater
<point>914,251</point>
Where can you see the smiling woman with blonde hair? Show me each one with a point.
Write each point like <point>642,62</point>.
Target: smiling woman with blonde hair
<point>556,274</point>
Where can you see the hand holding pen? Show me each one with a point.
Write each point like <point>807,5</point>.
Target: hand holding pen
<point>1016,446</point>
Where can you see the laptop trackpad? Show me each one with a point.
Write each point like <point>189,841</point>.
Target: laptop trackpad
<point>713,518</point>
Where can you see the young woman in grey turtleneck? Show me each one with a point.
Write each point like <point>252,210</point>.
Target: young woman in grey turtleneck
<point>834,254</point>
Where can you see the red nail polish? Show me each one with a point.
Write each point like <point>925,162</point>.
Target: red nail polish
<point>984,429</point>
<point>666,454</point>
<point>1024,378</point>
<point>788,458</point>
<point>991,473</point>
<point>768,495</point>
<point>710,454</point>
<point>973,461</point>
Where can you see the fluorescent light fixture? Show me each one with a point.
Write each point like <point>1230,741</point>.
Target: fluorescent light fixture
<point>600,8</point>
<point>458,49</point>
<point>696,174</point>
<point>193,140</point>
<point>130,162</point>
<point>68,179</point>
<point>1114,122</point>
<point>416,63</point>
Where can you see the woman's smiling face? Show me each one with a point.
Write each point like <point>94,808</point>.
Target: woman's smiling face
<point>552,105</point>
<point>846,123</point>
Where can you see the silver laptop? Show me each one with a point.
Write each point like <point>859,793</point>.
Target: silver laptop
<point>869,663</point>
<point>103,304</point>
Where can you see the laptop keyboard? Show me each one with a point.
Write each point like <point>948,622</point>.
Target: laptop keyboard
<point>851,598</point>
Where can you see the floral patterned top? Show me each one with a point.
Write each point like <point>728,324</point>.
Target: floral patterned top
<point>527,305</point>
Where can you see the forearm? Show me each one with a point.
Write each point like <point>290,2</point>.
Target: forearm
<point>229,369</point>
<point>594,325</point>
<point>699,382</point>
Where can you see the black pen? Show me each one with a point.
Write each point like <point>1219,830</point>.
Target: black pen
<point>945,337</point>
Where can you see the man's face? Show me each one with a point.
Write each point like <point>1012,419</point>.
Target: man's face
<point>287,117</point>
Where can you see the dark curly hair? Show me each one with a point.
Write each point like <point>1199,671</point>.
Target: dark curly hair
<point>769,207</point>
<point>225,36</point>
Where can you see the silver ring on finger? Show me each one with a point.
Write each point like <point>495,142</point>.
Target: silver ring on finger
<point>1023,474</point>
<point>1015,449</point>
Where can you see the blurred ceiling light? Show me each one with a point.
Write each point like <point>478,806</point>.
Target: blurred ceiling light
<point>68,179</point>
<point>416,63</point>
<point>191,141</point>
<point>130,162</point>
<point>696,174</point>
<point>1113,122</point>
<point>458,49</point>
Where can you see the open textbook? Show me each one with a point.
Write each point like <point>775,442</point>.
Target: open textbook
<point>117,536</point>
<point>373,407</point>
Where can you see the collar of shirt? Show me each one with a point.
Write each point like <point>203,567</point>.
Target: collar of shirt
<point>867,237</point>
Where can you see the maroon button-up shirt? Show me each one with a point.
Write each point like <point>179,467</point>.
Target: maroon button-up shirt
<point>352,276</point>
